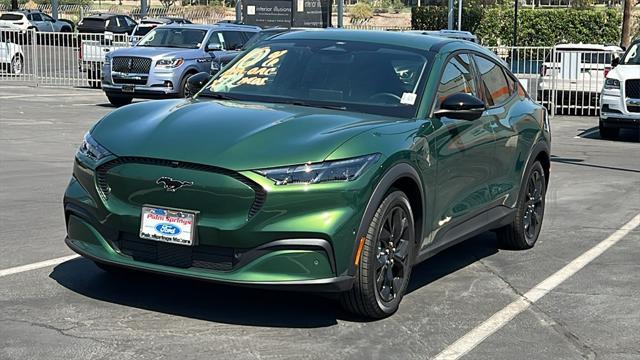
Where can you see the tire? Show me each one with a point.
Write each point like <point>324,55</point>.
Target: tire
<point>119,100</point>
<point>607,132</point>
<point>384,270</point>
<point>17,65</point>
<point>183,93</point>
<point>523,231</point>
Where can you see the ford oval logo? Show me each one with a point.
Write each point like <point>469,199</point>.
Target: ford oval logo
<point>168,229</point>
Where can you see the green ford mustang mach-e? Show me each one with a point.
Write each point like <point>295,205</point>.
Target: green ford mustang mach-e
<point>329,161</point>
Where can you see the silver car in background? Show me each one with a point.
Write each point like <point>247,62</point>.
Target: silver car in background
<point>160,64</point>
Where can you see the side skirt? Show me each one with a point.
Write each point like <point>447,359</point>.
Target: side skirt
<point>491,219</point>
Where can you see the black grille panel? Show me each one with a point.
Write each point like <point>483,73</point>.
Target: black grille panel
<point>105,190</point>
<point>131,64</point>
<point>632,88</point>
<point>199,256</point>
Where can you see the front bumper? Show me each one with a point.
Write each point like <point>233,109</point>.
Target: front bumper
<point>614,111</point>
<point>298,240</point>
<point>151,85</point>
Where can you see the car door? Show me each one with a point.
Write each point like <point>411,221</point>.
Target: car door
<point>49,22</point>
<point>37,21</point>
<point>464,151</point>
<point>500,94</point>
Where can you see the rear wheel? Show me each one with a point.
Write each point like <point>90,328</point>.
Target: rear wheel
<point>119,100</point>
<point>607,132</point>
<point>523,232</point>
<point>385,262</point>
<point>16,65</point>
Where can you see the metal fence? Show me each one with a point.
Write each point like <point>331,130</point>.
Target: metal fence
<point>567,82</point>
<point>198,15</point>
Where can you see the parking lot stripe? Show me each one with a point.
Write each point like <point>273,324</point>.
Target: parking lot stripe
<point>481,332</point>
<point>38,265</point>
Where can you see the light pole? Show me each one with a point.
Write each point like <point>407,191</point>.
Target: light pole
<point>450,16</point>
<point>459,15</point>
<point>515,24</point>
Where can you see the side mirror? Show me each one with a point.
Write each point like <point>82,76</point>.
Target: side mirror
<point>461,106</point>
<point>615,62</point>
<point>214,47</point>
<point>197,82</point>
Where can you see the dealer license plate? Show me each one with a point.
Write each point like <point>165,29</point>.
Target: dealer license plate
<point>168,225</point>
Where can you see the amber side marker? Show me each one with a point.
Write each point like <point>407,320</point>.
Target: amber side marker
<point>359,252</point>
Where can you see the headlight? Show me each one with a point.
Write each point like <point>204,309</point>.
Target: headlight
<point>107,59</point>
<point>340,170</point>
<point>169,63</point>
<point>612,84</point>
<point>91,149</point>
<point>215,67</point>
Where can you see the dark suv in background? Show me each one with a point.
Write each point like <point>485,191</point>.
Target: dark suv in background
<point>100,23</point>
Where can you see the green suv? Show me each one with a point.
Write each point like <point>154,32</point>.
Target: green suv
<point>327,161</point>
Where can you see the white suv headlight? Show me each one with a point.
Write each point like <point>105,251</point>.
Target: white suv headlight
<point>169,63</point>
<point>612,84</point>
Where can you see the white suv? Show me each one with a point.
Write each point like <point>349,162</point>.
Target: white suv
<point>620,101</point>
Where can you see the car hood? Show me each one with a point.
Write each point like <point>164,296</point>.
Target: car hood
<point>625,72</point>
<point>157,52</point>
<point>232,135</point>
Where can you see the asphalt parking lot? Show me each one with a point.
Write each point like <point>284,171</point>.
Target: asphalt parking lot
<point>73,310</point>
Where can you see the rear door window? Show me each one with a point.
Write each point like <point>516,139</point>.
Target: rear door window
<point>36,17</point>
<point>233,40</point>
<point>493,81</point>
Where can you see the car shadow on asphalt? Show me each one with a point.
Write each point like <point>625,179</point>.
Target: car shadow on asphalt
<point>626,135</point>
<point>244,306</point>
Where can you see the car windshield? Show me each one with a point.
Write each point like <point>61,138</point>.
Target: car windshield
<point>174,38</point>
<point>10,17</point>
<point>345,75</point>
<point>632,56</point>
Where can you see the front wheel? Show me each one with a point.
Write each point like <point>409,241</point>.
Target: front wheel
<point>607,132</point>
<point>385,262</point>
<point>184,91</point>
<point>523,231</point>
<point>119,100</point>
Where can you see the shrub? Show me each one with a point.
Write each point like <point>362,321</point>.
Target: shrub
<point>536,27</point>
<point>435,17</point>
<point>547,27</point>
<point>361,13</point>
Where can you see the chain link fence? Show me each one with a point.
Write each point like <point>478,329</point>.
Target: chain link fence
<point>565,81</point>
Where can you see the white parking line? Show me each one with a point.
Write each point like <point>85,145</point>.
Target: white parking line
<point>38,265</point>
<point>476,336</point>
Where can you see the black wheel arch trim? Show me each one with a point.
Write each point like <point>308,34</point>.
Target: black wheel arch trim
<point>540,147</point>
<point>396,172</point>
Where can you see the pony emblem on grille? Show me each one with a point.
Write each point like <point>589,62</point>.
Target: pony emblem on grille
<point>171,184</point>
